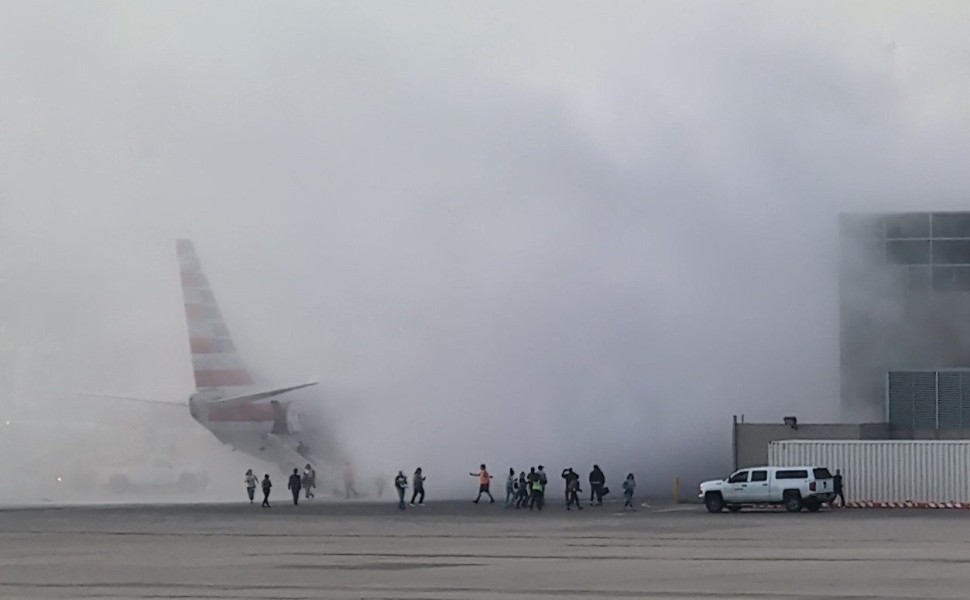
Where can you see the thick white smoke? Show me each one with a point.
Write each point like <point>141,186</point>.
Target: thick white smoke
<point>516,235</point>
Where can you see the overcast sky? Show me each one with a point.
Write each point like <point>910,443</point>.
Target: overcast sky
<point>506,232</point>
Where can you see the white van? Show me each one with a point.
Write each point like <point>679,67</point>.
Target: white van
<point>793,487</point>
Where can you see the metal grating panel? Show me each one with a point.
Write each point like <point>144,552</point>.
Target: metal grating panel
<point>949,401</point>
<point>929,399</point>
<point>965,397</point>
<point>924,400</point>
<point>901,398</point>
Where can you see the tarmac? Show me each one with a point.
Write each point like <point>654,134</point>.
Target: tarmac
<point>457,550</point>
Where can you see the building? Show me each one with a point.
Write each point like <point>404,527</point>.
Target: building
<point>904,343</point>
<point>905,321</point>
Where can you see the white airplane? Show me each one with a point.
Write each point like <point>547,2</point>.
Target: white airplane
<point>227,400</point>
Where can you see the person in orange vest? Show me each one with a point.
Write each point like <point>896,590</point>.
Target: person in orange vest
<point>484,481</point>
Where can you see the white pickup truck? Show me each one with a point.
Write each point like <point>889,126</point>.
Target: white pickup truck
<point>156,473</point>
<point>793,487</point>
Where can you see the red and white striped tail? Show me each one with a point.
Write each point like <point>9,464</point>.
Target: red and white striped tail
<point>214,359</point>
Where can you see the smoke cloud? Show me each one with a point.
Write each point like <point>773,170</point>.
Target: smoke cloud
<point>551,233</point>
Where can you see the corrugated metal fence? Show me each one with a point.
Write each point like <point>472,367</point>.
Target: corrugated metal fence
<point>886,471</point>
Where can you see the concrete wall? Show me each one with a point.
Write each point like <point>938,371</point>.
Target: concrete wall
<point>751,439</point>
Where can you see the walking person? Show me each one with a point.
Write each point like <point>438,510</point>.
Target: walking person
<point>267,486</point>
<point>294,485</point>
<point>401,485</point>
<point>510,484</point>
<point>484,481</point>
<point>418,482</point>
<point>522,491</point>
<point>572,488</point>
<point>837,488</point>
<point>538,486</point>
<point>597,481</point>
<point>349,481</point>
<point>251,481</point>
<point>567,478</point>
<point>629,484</point>
<point>530,479</point>
<point>309,481</point>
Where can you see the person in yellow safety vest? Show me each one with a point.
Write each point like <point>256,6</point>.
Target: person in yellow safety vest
<point>484,481</point>
<point>538,491</point>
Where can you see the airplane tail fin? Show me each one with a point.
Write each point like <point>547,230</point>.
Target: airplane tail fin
<point>215,363</point>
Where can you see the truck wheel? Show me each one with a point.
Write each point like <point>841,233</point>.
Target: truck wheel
<point>714,502</point>
<point>813,505</point>
<point>734,507</point>
<point>793,502</point>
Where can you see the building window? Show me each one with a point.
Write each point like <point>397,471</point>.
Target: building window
<point>951,252</point>
<point>910,252</point>
<point>951,225</point>
<point>909,225</point>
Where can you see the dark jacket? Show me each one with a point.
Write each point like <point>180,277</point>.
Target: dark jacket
<point>295,484</point>
<point>596,477</point>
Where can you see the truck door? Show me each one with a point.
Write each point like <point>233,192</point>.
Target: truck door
<point>758,490</point>
<point>737,488</point>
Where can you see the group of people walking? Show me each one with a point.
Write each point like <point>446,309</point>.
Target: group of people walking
<point>529,490</point>
<point>525,490</point>
<point>304,482</point>
<point>401,486</point>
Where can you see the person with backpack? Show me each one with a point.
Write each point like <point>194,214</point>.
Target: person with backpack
<point>597,483</point>
<point>418,481</point>
<point>401,485</point>
<point>267,486</point>
<point>629,484</point>
<point>295,484</point>
<point>251,481</point>
<point>484,481</point>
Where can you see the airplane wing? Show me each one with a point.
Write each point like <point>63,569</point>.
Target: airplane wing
<point>255,396</point>
<point>131,399</point>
